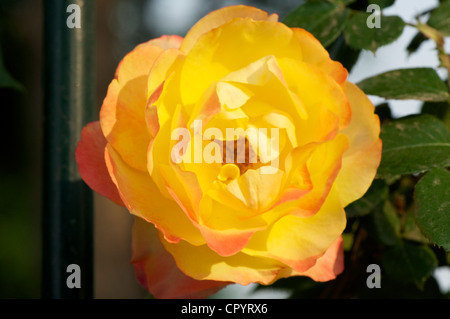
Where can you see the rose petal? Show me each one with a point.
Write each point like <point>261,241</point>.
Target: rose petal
<point>272,87</point>
<point>214,55</point>
<point>323,167</point>
<point>244,269</point>
<point>200,262</point>
<point>314,53</point>
<point>219,17</point>
<point>330,264</point>
<point>156,270</point>
<point>316,89</point>
<point>360,162</point>
<point>90,156</point>
<point>142,198</point>
<point>167,62</point>
<point>181,185</point>
<point>299,241</point>
<point>122,115</point>
<point>226,242</point>
<point>327,267</point>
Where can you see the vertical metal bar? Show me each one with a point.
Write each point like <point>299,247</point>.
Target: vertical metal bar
<point>69,104</point>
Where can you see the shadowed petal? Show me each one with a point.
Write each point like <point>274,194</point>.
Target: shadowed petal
<point>90,156</point>
<point>156,269</point>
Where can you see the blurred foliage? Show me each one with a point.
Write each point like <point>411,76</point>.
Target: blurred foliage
<point>19,252</point>
<point>19,214</point>
<point>6,80</point>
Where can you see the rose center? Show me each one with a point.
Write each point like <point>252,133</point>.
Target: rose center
<point>240,153</point>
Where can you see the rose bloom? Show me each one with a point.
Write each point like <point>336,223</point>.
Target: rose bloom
<point>202,224</point>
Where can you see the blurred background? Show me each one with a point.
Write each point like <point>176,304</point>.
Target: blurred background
<point>120,25</point>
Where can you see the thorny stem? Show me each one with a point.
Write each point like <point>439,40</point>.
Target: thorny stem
<point>439,39</point>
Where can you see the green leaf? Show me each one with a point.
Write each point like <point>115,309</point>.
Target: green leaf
<point>325,20</point>
<point>432,198</point>
<point>410,229</point>
<point>416,42</point>
<point>358,34</point>
<point>375,195</point>
<point>413,145</point>
<point>438,109</point>
<point>383,224</point>
<point>421,84</point>
<point>407,262</point>
<point>440,18</point>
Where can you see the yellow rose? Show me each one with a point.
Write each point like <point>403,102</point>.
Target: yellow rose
<point>212,208</point>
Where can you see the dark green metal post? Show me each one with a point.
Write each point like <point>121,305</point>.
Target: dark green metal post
<point>69,105</point>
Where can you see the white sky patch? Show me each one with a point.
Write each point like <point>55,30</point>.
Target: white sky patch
<point>171,16</point>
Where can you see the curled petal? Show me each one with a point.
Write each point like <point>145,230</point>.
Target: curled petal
<point>317,90</point>
<point>323,167</point>
<point>222,16</point>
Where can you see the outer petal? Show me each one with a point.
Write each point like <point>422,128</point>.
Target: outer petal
<point>200,262</point>
<point>298,246</point>
<point>326,268</point>
<point>156,270</point>
<point>330,264</point>
<point>122,115</point>
<point>315,54</point>
<point>142,198</point>
<point>90,156</point>
<point>169,61</point>
<point>360,162</point>
<point>244,269</point>
<point>299,241</point>
<point>222,16</point>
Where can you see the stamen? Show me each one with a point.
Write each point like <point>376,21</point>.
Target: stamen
<point>245,158</point>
